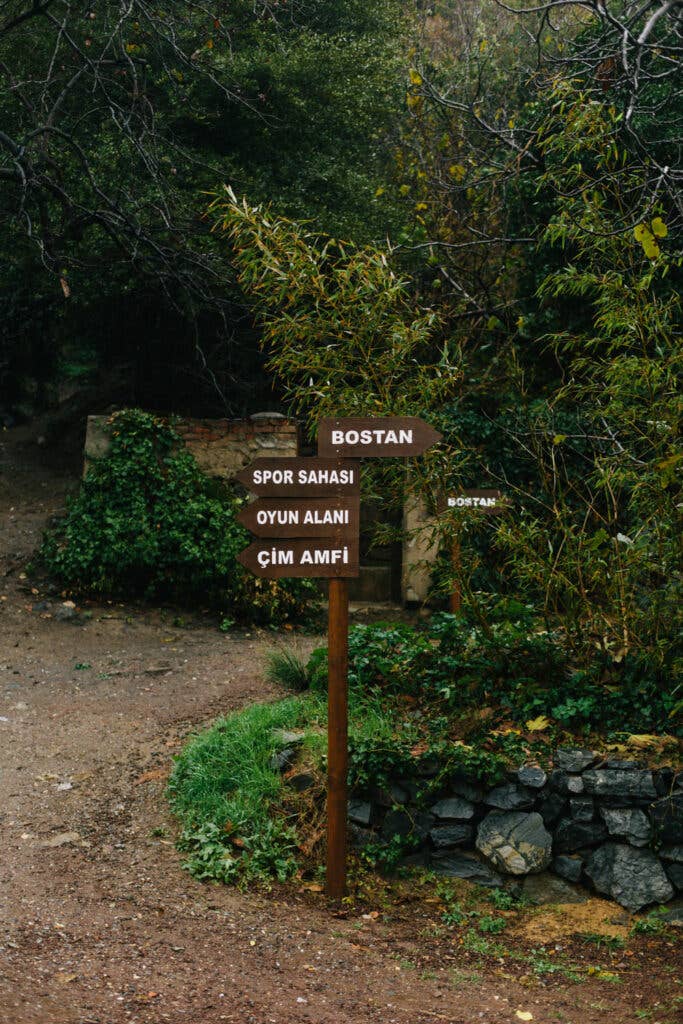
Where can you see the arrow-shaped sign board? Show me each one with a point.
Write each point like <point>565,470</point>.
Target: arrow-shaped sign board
<point>483,500</point>
<point>308,517</point>
<point>305,558</point>
<point>300,478</point>
<point>358,437</point>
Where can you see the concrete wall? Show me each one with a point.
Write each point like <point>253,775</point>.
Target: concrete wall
<point>420,551</point>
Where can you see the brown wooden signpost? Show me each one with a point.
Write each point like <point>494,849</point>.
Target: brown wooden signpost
<point>301,478</point>
<point>360,437</point>
<point>489,501</point>
<point>308,517</point>
<point>304,558</point>
<point>324,522</point>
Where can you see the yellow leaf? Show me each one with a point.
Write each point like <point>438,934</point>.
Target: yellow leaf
<point>483,46</point>
<point>639,232</point>
<point>524,1015</point>
<point>650,247</point>
<point>659,228</point>
<point>643,740</point>
<point>415,77</point>
<point>457,171</point>
<point>379,191</point>
<point>538,724</point>
<point>209,44</point>
<point>559,438</point>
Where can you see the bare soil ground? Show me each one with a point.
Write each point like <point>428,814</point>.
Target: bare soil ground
<point>98,922</point>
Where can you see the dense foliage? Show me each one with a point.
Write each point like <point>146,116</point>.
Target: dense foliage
<point>116,117</point>
<point>513,668</point>
<point>147,522</point>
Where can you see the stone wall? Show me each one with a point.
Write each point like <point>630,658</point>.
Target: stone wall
<point>613,825</point>
<point>221,447</point>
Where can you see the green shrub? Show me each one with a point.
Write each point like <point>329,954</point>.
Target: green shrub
<point>287,670</point>
<point>147,522</point>
<point>519,670</point>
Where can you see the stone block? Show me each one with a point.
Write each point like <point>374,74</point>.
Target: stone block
<point>634,878</point>
<point>515,842</point>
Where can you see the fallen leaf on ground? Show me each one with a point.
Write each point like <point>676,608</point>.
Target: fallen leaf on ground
<point>151,776</point>
<point>538,724</point>
<point>61,839</point>
<point>524,1015</point>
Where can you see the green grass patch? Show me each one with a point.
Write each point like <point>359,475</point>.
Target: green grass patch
<point>225,792</point>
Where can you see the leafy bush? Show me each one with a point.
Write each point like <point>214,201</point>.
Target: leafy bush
<point>516,669</point>
<point>288,670</point>
<point>147,522</point>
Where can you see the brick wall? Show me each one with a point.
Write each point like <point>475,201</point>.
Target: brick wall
<point>221,447</point>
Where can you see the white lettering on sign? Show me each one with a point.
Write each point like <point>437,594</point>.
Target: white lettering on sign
<point>311,517</point>
<point>471,501</point>
<point>273,476</point>
<point>331,556</point>
<point>375,436</point>
<point>326,476</point>
<point>285,556</point>
<point>278,517</point>
<point>328,517</point>
<point>275,557</point>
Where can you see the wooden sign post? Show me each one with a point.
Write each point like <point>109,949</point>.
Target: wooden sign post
<point>490,502</point>
<point>310,508</point>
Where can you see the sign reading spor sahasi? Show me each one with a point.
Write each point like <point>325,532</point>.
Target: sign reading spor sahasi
<point>300,477</point>
<point>386,437</point>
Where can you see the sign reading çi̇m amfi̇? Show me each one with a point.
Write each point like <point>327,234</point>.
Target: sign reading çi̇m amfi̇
<point>303,558</point>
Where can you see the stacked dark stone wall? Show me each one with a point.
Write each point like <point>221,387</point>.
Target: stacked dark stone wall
<point>614,825</point>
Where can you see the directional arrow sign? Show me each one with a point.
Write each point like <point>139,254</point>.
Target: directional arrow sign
<point>279,559</point>
<point>489,501</point>
<point>377,437</point>
<point>300,478</point>
<point>312,517</point>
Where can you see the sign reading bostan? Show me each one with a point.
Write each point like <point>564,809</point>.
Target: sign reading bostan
<point>484,500</point>
<point>357,437</point>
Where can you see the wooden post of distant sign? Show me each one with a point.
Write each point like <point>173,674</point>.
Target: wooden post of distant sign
<point>337,735</point>
<point>487,501</point>
<point>455,601</point>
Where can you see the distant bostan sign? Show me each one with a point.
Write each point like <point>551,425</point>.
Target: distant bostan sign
<point>483,500</point>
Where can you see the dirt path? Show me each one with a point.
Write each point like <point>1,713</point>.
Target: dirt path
<point>98,923</point>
